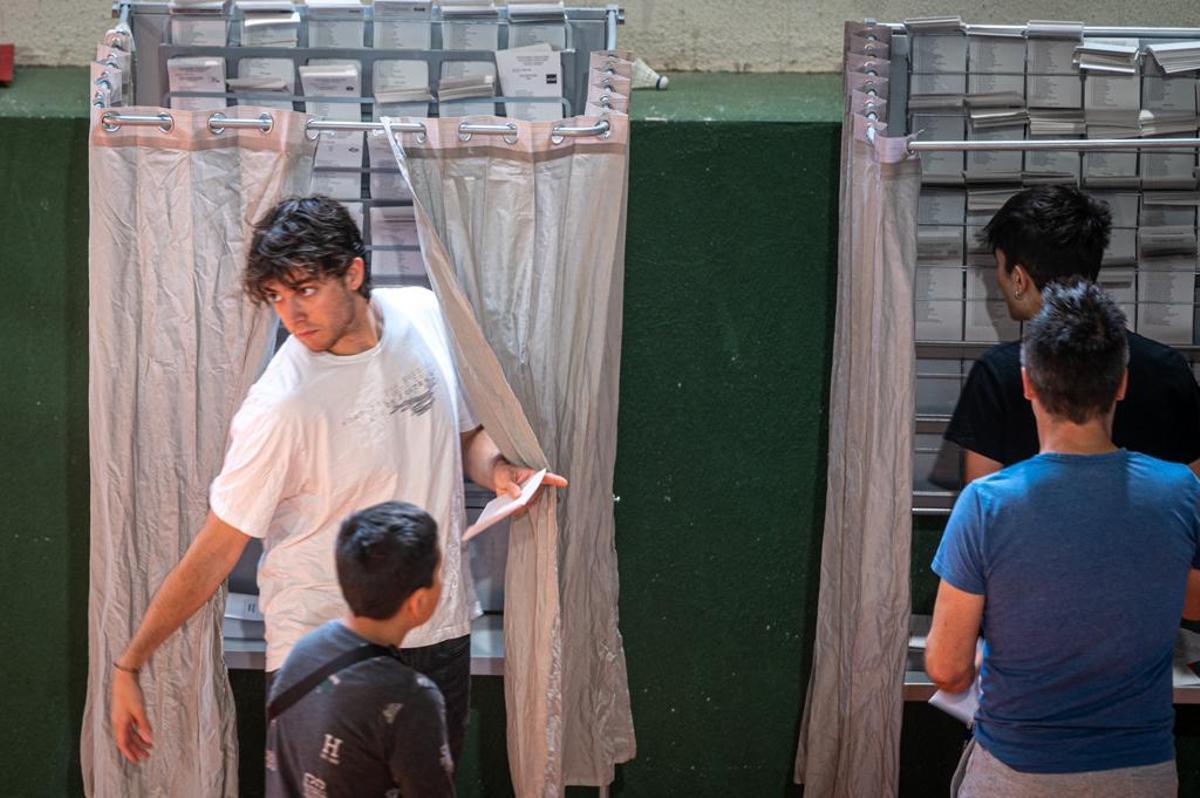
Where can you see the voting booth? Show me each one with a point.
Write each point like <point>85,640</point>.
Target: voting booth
<point>469,140</point>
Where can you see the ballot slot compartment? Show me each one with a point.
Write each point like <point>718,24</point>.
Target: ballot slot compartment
<point>998,83</point>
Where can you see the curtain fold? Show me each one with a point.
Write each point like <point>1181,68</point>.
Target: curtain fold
<point>523,240</point>
<point>173,348</point>
<point>850,733</point>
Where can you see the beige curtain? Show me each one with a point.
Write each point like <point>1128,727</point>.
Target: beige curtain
<point>850,735</point>
<point>173,348</point>
<point>523,240</point>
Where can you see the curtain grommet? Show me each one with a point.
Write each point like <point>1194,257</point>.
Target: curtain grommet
<point>106,122</point>
<point>464,137</point>
<point>268,123</point>
<point>422,138</point>
<point>168,123</point>
<point>216,129</point>
<point>309,133</point>
<point>557,138</point>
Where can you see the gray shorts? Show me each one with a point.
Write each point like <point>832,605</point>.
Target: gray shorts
<point>988,777</point>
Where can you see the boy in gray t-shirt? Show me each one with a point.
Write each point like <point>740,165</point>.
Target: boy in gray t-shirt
<point>346,717</point>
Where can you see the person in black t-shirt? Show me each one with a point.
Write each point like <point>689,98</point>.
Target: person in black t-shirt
<point>1049,233</point>
<point>346,716</point>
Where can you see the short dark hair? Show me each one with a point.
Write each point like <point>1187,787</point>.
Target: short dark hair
<point>1054,231</point>
<point>1075,350</point>
<point>303,237</point>
<point>384,554</point>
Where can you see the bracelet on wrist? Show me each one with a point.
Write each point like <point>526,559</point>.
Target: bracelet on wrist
<point>126,668</point>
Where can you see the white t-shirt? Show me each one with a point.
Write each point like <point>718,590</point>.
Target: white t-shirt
<point>321,436</point>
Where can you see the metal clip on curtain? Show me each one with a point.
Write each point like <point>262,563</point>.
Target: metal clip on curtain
<point>112,121</point>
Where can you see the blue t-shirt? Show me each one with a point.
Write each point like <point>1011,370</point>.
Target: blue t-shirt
<point>1083,560</point>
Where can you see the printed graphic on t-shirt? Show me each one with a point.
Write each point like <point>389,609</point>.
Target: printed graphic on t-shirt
<point>415,394</point>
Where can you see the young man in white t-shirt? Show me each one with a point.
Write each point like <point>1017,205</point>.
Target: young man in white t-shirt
<point>360,406</point>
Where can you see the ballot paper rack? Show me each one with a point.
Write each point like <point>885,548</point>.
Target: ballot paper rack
<point>1008,90</point>
<point>406,58</point>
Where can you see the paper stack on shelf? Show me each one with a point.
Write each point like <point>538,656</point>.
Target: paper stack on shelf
<point>198,23</point>
<point>984,118</point>
<point>1052,79</point>
<point>395,247</point>
<point>269,23</point>
<point>537,22</point>
<point>532,71</point>
<point>1057,124</point>
<point>335,23</point>
<point>939,63</point>
<point>197,74</point>
<point>403,24</point>
<point>1120,56</point>
<point>1176,57</point>
<point>339,158</point>
<point>942,24</point>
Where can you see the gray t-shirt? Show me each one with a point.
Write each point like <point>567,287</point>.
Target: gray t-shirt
<point>375,728</point>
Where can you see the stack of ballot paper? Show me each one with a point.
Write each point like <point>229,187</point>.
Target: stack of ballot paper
<point>1112,105</point>
<point>395,247</point>
<point>1057,124</point>
<point>939,63</point>
<point>269,23</point>
<point>339,159</point>
<point>451,90</point>
<point>997,71</point>
<point>335,23</point>
<point>1167,259</point>
<point>198,23</point>
<point>1176,57</point>
<point>403,24</point>
<point>197,74</point>
<point>984,118</point>
<point>1109,55</point>
<point>532,71</point>
<point>459,8</point>
<point>1052,79</point>
<point>537,22</point>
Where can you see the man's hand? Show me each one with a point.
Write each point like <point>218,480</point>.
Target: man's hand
<point>507,478</point>
<point>128,714</point>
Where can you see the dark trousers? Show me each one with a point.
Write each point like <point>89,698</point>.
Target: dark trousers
<point>448,665</point>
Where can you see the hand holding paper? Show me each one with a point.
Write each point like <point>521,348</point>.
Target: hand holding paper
<point>516,488</point>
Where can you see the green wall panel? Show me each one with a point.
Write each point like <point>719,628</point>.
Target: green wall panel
<point>43,438</point>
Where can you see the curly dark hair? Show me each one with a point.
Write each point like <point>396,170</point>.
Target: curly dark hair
<point>1055,232</point>
<point>303,237</point>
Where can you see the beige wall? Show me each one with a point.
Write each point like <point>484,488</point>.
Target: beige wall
<point>748,35</point>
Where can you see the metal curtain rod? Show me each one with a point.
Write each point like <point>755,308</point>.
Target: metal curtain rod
<point>1088,30</point>
<point>1043,145</point>
<point>218,123</point>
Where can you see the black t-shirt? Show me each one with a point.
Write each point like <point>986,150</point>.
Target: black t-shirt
<point>374,729</point>
<point>1160,415</point>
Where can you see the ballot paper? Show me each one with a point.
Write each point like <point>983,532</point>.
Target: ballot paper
<point>939,245</point>
<point>386,180</point>
<point>938,303</point>
<point>468,34</point>
<point>395,247</point>
<point>1166,209</point>
<point>328,83</point>
<point>504,506</point>
<point>1166,305</point>
<point>338,164</point>
<point>1120,56</point>
<point>533,71</point>
<point>962,705</point>
<point>986,318</point>
<point>939,53</point>
<point>1050,47</point>
<point>982,204</point>
<point>996,55</point>
<point>536,22</point>
<point>265,76</point>
<point>402,82</point>
<point>942,206</point>
<point>979,251</point>
<point>995,91</point>
<point>928,91</point>
<point>940,167</point>
<point>1176,57</point>
<point>197,23</point>
<point>452,91</point>
<point>1169,94</point>
<point>1111,102</point>
<point>269,23</point>
<point>1052,166</point>
<point>403,25</point>
<point>991,165</point>
<point>1053,91</point>
<point>1167,241</point>
<point>1168,169</point>
<point>939,383</point>
<point>1110,169</point>
<point>335,23</point>
<point>1048,123</point>
<point>197,74</point>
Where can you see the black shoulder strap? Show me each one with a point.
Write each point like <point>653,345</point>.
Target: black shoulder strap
<point>290,696</point>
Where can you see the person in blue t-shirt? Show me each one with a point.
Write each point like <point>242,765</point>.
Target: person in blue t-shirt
<point>1075,566</point>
